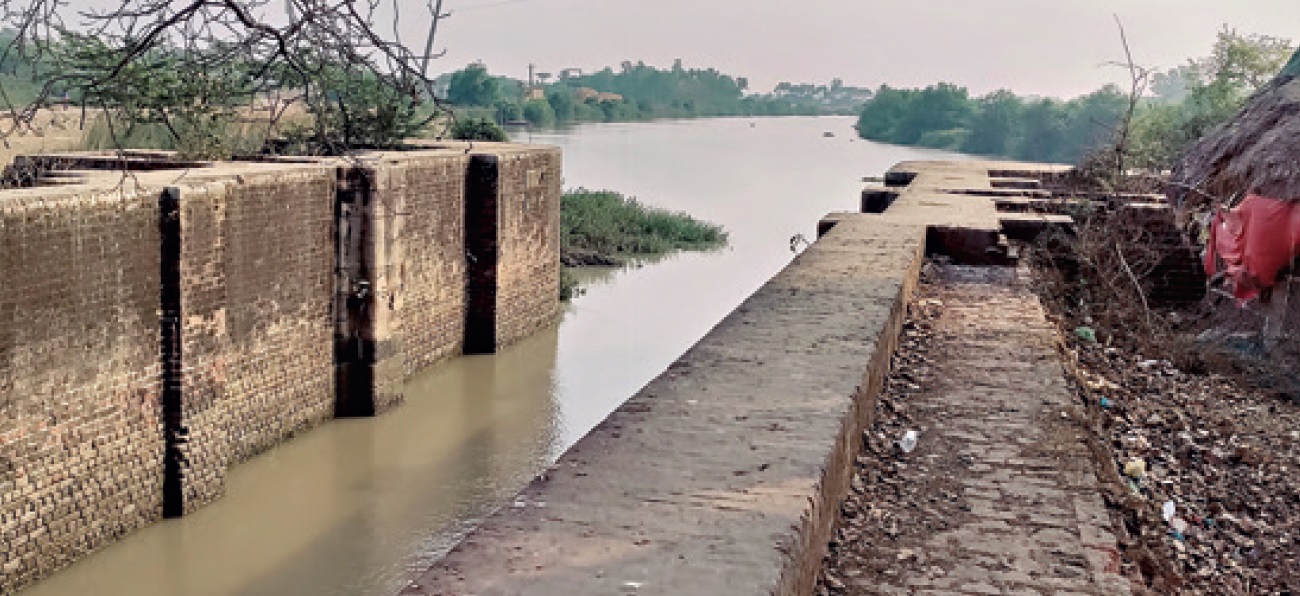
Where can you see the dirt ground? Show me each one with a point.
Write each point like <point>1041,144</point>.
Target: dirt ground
<point>1000,493</point>
<point>52,130</point>
<point>1198,474</point>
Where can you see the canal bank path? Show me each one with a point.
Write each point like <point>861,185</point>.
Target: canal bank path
<point>999,494</point>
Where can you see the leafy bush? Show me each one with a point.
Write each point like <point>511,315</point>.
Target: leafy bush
<point>478,129</point>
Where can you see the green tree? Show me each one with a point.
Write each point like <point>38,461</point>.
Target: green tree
<point>1216,88</point>
<point>1044,131</point>
<point>562,104</point>
<point>880,116</point>
<point>473,86</point>
<point>539,113</point>
<point>941,107</point>
<point>995,125</point>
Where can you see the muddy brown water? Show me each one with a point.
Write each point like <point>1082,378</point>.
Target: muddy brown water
<point>356,506</point>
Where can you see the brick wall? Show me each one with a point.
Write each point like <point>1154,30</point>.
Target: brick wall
<point>151,338</point>
<point>414,255</point>
<point>513,204</point>
<point>256,274</point>
<point>80,427</point>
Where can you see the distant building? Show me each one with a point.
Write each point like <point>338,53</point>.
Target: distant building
<point>586,93</point>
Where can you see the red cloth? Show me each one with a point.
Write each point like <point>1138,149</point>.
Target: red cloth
<point>1254,241</point>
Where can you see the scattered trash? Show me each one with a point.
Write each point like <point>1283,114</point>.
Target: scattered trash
<point>1106,403</point>
<point>908,442</point>
<point>632,586</point>
<point>1205,462</point>
<point>1135,468</point>
<point>1087,334</point>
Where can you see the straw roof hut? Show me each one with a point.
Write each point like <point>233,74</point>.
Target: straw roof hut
<point>1257,151</point>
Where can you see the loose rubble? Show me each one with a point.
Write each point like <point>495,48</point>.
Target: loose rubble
<point>870,515</point>
<point>1215,505</point>
<point>1200,474</point>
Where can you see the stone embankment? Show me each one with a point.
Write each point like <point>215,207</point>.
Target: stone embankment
<point>727,474</point>
<point>163,324</point>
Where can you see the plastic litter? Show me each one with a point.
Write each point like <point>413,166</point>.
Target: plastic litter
<point>908,442</point>
<point>1107,403</point>
<point>1087,334</point>
<point>1135,468</point>
<point>1168,511</point>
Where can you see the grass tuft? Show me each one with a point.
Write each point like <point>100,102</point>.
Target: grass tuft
<point>601,227</point>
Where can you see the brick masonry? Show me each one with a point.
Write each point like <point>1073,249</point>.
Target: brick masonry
<point>158,328</point>
<point>256,274</point>
<point>80,428</point>
<point>528,212</point>
<point>414,257</point>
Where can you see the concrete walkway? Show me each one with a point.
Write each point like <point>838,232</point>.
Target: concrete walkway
<point>1000,495</point>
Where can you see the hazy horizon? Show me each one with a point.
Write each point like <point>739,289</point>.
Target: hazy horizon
<point>1031,47</point>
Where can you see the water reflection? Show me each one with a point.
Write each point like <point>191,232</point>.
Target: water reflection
<point>342,509</point>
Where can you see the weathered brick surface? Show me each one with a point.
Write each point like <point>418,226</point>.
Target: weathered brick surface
<point>257,263</point>
<point>416,258</point>
<point>528,241</point>
<point>80,430</point>
<point>98,438</point>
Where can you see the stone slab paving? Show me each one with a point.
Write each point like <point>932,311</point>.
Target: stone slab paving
<point>1000,495</point>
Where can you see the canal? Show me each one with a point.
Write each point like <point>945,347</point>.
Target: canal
<point>356,506</point>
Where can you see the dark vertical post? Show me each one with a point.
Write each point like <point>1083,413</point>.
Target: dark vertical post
<point>482,252</point>
<point>175,434</point>
<point>354,301</point>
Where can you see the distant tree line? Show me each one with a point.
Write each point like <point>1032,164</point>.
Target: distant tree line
<point>1176,107</point>
<point>946,116</point>
<point>636,91</point>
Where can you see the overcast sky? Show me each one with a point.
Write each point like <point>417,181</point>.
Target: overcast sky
<point>1045,47</point>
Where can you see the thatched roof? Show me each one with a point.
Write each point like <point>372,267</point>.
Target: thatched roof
<point>1257,151</point>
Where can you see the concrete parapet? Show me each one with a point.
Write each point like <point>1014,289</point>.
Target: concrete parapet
<point>722,475</point>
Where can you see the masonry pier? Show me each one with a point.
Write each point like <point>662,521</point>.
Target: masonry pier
<point>164,321</point>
